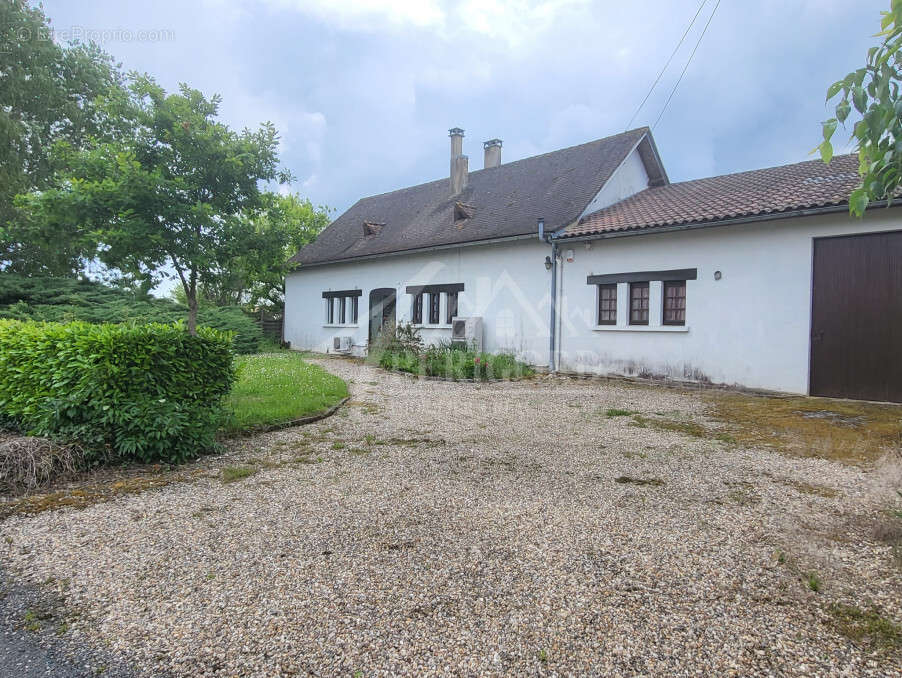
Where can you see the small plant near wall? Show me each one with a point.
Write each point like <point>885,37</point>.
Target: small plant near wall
<point>404,351</point>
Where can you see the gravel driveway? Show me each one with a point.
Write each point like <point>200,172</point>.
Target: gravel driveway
<point>465,529</point>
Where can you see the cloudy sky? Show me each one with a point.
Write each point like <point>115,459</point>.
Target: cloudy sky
<point>363,92</point>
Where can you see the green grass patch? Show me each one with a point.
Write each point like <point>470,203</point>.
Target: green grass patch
<point>616,412</point>
<point>867,626</point>
<point>231,474</point>
<point>278,388</point>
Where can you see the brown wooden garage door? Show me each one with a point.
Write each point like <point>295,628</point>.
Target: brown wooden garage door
<point>856,317</point>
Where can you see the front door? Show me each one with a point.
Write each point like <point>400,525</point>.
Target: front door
<point>856,317</point>
<point>382,311</point>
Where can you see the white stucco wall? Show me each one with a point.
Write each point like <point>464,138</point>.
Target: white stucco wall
<point>749,328</point>
<point>627,180</point>
<point>506,284</point>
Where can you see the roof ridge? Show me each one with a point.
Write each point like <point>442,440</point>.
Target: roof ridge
<point>644,129</point>
<point>753,171</point>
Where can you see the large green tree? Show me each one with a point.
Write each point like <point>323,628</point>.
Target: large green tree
<point>873,91</point>
<point>48,93</point>
<point>165,198</point>
<point>251,269</point>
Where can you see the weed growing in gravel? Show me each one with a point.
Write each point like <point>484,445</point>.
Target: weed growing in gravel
<point>615,412</point>
<point>359,451</point>
<point>781,557</point>
<point>543,655</point>
<point>655,482</point>
<point>808,488</point>
<point>813,582</point>
<point>231,474</point>
<point>31,621</point>
<point>338,445</point>
<point>867,626</point>
<point>369,439</point>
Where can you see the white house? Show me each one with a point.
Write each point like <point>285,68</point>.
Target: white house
<point>759,279</point>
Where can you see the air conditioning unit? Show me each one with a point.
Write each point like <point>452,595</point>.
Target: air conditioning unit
<point>468,332</point>
<point>341,344</point>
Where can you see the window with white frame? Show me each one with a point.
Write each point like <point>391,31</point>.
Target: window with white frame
<point>440,302</point>
<point>342,306</point>
<point>653,300</point>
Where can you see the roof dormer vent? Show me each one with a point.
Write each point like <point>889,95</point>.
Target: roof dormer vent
<point>372,228</point>
<point>462,211</point>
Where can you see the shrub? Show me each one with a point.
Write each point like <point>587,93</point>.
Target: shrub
<point>403,350</point>
<point>145,393</point>
<point>66,300</point>
<point>395,340</point>
<point>28,463</point>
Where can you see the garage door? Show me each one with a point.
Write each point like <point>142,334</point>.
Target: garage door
<point>856,317</point>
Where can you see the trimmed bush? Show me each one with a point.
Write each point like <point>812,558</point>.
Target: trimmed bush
<point>63,300</point>
<point>144,393</point>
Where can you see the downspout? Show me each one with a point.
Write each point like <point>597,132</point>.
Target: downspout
<point>552,325</point>
<point>552,366</point>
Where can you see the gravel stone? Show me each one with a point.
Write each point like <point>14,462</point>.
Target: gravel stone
<point>439,528</point>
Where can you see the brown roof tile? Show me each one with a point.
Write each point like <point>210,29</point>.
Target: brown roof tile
<point>499,202</point>
<point>803,185</point>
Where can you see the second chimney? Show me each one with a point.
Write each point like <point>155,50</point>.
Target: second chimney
<point>459,171</point>
<point>492,153</point>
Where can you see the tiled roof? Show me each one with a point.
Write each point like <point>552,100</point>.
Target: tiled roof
<point>499,202</point>
<point>804,185</point>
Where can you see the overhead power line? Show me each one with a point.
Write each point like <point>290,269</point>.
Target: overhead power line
<point>669,59</point>
<point>688,61</point>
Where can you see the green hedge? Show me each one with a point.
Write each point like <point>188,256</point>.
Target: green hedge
<point>145,393</point>
<point>63,300</point>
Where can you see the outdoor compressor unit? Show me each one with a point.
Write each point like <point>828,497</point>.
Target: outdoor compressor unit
<point>341,344</point>
<point>467,332</point>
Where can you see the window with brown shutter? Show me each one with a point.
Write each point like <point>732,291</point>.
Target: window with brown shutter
<point>418,309</point>
<point>607,304</point>
<point>434,298</point>
<point>452,307</point>
<point>639,303</point>
<point>675,302</point>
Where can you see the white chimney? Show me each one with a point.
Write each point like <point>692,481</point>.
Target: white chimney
<point>459,161</point>
<point>492,153</point>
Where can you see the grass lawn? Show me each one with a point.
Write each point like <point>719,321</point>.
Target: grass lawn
<point>273,388</point>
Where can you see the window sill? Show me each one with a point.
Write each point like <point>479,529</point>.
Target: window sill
<point>341,326</point>
<point>641,328</point>
<point>440,326</point>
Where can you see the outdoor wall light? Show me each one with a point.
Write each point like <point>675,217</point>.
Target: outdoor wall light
<point>547,263</point>
<point>717,275</point>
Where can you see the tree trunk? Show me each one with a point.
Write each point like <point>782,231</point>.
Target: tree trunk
<point>191,293</point>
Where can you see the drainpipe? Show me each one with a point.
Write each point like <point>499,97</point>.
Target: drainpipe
<point>552,325</point>
<point>552,366</point>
